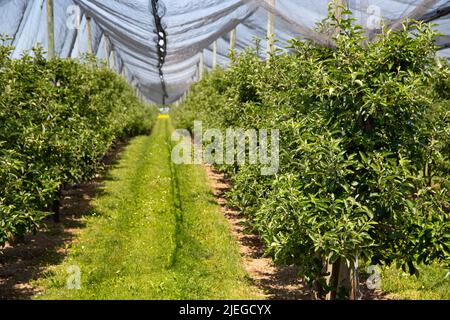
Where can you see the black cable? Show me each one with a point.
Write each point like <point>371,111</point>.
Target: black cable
<point>161,46</point>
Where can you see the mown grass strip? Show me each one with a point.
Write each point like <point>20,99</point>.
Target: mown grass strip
<point>155,233</point>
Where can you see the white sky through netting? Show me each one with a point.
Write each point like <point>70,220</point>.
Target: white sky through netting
<point>134,29</point>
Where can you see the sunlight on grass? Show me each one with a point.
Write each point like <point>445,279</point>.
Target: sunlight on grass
<point>433,283</point>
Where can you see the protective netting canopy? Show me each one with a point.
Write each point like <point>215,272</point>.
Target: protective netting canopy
<point>158,44</point>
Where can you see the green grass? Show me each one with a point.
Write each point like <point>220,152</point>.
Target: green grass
<point>156,234</point>
<point>433,283</point>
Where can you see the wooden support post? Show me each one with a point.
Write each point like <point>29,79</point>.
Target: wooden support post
<point>201,65</point>
<point>79,18</point>
<point>197,73</point>
<point>270,29</point>
<point>89,34</point>
<point>214,54</point>
<point>340,280</point>
<point>51,29</point>
<point>114,64</point>
<point>338,8</point>
<point>107,48</point>
<point>232,40</point>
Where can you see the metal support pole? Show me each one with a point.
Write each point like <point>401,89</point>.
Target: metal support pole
<point>78,39</point>
<point>51,29</point>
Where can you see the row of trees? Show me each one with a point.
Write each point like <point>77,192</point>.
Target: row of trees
<point>58,118</point>
<point>364,150</point>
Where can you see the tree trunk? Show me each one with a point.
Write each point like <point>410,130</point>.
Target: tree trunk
<point>319,285</point>
<point>341,281</point>
<point>56,206</point>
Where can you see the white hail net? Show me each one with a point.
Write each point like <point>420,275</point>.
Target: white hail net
<point>156,44</point>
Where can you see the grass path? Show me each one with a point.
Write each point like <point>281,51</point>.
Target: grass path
<point>155,233</point>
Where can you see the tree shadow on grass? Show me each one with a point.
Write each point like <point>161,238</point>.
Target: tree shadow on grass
<point>21,263</point>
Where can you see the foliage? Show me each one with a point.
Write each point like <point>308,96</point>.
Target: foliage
<point>58,119</point>
<point>365,145</point>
